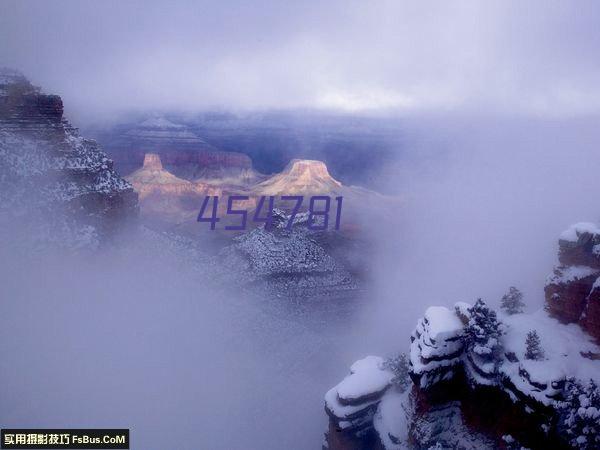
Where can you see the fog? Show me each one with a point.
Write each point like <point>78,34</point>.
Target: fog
<point>135,339</point>
<point>538,57</point>
<point>484,200</point>
<point>499,105</point>
<point>139,338</point>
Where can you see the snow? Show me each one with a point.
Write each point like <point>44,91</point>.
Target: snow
<point>462,308</point>
<point>344,411</point>
<point>563,346</point>
<point>366,378</point>
<point>437,346</point>
<point>567,274</point>
<point>508,439</point>
<point>574,231</point>
<point>442,323</point>
<point>391,421</point>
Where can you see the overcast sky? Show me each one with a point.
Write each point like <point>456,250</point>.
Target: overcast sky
<point>531,57</point>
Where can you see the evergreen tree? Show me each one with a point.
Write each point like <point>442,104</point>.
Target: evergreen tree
<point>398,365</point>
<point>482,340</point>
<point>579,420</point>
<point>512,301</point>
<point>533,346</point>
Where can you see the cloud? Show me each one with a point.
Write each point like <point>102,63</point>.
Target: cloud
<point>535,58</point>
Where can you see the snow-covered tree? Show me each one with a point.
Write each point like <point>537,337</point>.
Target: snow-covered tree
<point>512,301</point>
<point>398,365</point>
<point>510,443</point>
<point>482,341</point>
<point>580,415</point>
<point>533,345</point>
<point>437,446</point>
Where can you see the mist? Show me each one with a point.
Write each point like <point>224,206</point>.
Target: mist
<point>138,337</point>
<point>536,58</point>
<point>483,202</point>
<point>496,104</point>
<point>135,339</point>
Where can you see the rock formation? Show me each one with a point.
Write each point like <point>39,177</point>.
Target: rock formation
<point>351,405</point>
<point>152,178</point>
<point>301,177</point>
<point>573,290</point>
<point>48,169</point>
<point>183,153</point>
<point>167,197</point>
<point>294,263</point>
<point>498,399</point>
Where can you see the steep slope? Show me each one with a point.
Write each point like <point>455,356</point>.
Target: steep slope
<point>51,176</point>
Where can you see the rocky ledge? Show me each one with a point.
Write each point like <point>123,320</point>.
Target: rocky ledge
<point>49,173</point>
<point>475,379</point>
<point>573,290</point>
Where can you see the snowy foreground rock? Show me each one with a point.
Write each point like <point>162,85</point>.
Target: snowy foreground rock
<point>475,384</point>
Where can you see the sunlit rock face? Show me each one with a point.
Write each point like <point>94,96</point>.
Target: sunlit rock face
<point>47,165</point>
<point>301,177</point>
<point>573,290</point>
<point>183,153</point>
<point>162,194</point>
<point>153,178</point>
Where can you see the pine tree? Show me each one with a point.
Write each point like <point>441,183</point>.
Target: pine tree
<point>580,415</point>
<point>482,341</point>
<point>512,301</point>
<point>398,365</point>
<point>533,346</point>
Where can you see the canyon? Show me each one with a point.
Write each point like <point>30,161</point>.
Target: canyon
<point>176,200</point>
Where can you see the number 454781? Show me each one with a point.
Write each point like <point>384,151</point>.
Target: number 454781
<point>319,207</point>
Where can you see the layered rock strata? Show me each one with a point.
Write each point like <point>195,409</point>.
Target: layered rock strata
<point>48,166</point>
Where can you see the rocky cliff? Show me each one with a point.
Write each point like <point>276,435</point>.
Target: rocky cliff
<point>474,382</point>
<point>49,173</point>
<point>573,290</point>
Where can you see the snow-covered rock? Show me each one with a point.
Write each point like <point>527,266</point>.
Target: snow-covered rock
<point>50,176</point>
<point>291,263</point>
<point>571,291</point>
<point>436,346</point>
<point>352,403</point>
<point>442,426</point>
<point>473,384</point>
<point>392,419</point>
